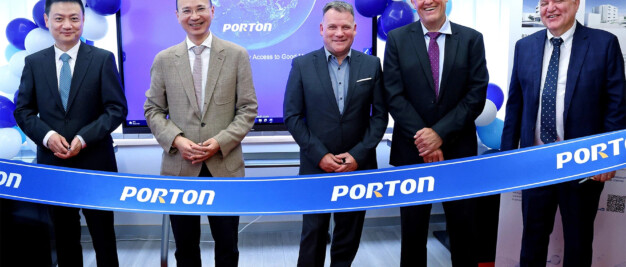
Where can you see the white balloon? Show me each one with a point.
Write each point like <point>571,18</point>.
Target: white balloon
<point>38,39</point>
<point>95,27</point>
<point>488,115</point>
<point>9,83</point>
<point>31,144</point>
<point>17,63</point>
<point>11,141</point>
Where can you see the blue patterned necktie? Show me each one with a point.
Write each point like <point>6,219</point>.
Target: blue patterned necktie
<point>548,97</point>
<point>65,80</point>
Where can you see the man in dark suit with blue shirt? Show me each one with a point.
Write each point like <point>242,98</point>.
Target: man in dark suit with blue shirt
<point>335,110</point>
<point>567,82</point>
<point>70,100</point>
<point>436,82</point>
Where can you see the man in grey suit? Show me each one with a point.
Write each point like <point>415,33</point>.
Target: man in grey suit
<point>334,108</point>
<point>200,105</point>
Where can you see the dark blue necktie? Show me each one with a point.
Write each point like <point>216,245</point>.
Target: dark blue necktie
<point>65,80</point>
<point>548,98</point>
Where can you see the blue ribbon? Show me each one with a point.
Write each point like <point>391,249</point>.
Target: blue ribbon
<point>402,186</point>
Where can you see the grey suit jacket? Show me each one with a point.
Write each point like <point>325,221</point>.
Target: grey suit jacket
<point>230,107</point>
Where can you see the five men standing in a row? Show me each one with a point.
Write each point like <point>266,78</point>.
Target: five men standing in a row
<point>201,103</point>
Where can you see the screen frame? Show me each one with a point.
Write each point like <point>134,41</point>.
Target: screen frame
<point>144,129</point>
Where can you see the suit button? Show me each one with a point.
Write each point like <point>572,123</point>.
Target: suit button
<point>203,124</point>
<point>432,101</point>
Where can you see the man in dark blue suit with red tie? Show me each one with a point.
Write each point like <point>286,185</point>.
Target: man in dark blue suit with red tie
<point>567,82</point>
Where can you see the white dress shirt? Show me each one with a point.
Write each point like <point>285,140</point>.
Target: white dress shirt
<point>441,41</point>
<point>566,51</point>
<point>206,56</point>
<point>73,53</point>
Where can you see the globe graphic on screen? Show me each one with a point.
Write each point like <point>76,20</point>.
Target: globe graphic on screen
<point>256,24</point>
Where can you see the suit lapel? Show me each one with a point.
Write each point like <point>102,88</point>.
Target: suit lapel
<point>580,46</point>
<point>83,60</point>
<point>537,65</point>
<point>215,66</point>
<point>321,67</point>
<point>419,45</point>
<point>452,44</point>
<point>355,69</point>
<point>184,72</point>
<point>51,76</point>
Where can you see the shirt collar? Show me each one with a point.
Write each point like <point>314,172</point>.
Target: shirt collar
<point>73,52</point>
<point>567,36</point>
<point>445,28</point>
<point>329,56</point>
<point>207,42</point>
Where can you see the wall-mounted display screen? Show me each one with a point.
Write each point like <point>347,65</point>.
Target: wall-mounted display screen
<point>273,32</point>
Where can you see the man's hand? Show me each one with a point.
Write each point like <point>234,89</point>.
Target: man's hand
<point>58,145</point>
<point>427,141</point>
<point>603,177</point>
<point>188,149</point>
<point>349,164</point>
<point>210,147</point>
<point>72,150</point>
<point>434,156</point>
<point>330,163</point>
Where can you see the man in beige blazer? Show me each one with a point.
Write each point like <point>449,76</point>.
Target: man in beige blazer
<point>201,138</point>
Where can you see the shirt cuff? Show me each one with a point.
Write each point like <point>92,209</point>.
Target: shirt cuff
<point>45,138</point>
<point>82,141</point>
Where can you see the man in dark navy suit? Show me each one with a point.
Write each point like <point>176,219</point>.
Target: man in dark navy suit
<point>436,82</point>
<point>567,82</point>
<point>335,110</point>
<point>70,100</point>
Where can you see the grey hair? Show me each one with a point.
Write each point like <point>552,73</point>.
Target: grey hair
<point>339,6</point>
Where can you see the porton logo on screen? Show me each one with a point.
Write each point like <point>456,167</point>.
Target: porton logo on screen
<point>381,189</point>
<point>10,179</point>
<point>188,197</point>
<point>593,153</point>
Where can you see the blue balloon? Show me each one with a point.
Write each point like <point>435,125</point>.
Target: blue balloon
<point>10,51</point>
<point>370,8</point>
<point>38,11</point>
<point>21,133</point>
<point>396,15</point>
<point>379,29</point>
<point>495,94</point>
<point>448,8</point>
<point>491,135</point>
<point>17,30</point>
<point>15,97</point>
<point>104,7</point>
<point>6,113</point>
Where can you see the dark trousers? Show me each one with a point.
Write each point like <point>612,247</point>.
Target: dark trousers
<point>24,234</point>
<point>345,239</point>
<point>578,204</point>
<point>66,222</point>
<point>459,225</point>
<point>224,229</point>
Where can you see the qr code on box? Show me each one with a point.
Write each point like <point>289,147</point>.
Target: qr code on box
<point>615,203</point>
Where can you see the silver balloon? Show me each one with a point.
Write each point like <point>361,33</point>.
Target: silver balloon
<point>95,27</point>
<point>16,64</point>
<point>488,115</point>
<point>11,141</point>
<point>38,39</point>
<point>9,83</point>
